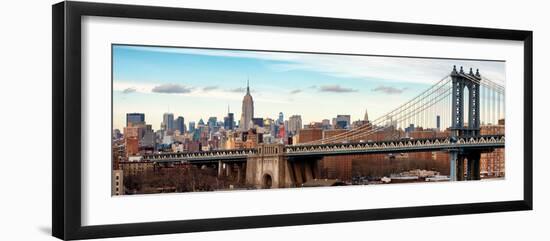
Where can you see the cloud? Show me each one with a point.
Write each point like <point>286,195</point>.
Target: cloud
<point>171,89</point>
<point>296,91</point>
<point>237,90</point>
<point>335,89</point>
<point>388,90</point>
<point>209,88</point>
<point>395,69</point>
<point>129,90</point>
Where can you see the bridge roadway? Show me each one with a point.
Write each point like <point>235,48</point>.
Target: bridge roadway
<point>397,146</point>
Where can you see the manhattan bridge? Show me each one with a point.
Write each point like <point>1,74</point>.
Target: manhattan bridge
<point>459,103</point>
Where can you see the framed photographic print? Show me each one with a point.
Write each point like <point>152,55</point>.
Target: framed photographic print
<point>171,120</point>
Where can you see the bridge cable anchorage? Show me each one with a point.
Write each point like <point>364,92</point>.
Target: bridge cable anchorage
<point>419,109</point>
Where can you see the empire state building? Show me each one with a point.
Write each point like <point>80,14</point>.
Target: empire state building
<point>248,111</point>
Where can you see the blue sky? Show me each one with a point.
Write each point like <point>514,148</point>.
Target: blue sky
<point>199,83</point>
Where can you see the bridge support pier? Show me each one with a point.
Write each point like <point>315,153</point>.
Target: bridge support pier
<point>457,161</point>
<point>453,165</point>
<point>220,169</point>
<point>460,169</point>
<point>303,170</point>
<point>228,170</point>
<point>240,168</point>
<point>474,166</point>
<point>269,168</point>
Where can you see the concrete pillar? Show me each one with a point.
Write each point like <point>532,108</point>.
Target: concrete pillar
<point>453,166</point>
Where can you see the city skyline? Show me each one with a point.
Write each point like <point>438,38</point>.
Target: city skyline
<point>301,120</point>
<point>154,81</point>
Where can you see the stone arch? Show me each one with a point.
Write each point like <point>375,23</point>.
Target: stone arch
<point>267,181</point>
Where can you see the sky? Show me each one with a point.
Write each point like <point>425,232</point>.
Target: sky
<point>199,83</point>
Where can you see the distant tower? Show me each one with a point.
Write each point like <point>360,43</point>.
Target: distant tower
<point>168,121</point>
<point>366,118</point>
<point>228,120</point>
<point>248,110</point>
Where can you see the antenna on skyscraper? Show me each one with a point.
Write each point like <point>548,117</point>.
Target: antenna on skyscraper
<point>247,85</point>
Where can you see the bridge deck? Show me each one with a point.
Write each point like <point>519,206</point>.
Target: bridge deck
<point>406,145</point>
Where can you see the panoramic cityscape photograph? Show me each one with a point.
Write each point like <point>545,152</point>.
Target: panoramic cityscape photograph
<point>201,119</point>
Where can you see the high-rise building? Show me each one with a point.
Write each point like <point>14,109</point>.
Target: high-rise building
<point>180,124</point>
<point>228,121</point>
<point>342,122</point>
<point>294,124</point>
<point>200,124</point>
<point>168,121</point>
<point>212,124</point>
<point>191,126</point>
<point>281,118</point>
<point>117,134</point>
<point>258,121</point>
<point>134,118</point>
<point>247,110</point>
<point>326,124</point>
<point>438,122</point>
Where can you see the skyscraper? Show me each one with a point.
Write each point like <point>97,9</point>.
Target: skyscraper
<point>281,118</point>
<point>191,126</point>
<point>228,122</point>
<point>341,122</point>
<point>134,118</point>
<point>294,124</point>
<point>326,124</point>
<point>247,110</point>
<point>180,124</point>
<point>258,122</point>
<point>168,121</point>
<point>212,124</point>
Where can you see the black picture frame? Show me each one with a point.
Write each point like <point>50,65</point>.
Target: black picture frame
<point>66,127</point>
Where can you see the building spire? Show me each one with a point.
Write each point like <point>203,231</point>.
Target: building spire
<point>247,86</point>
